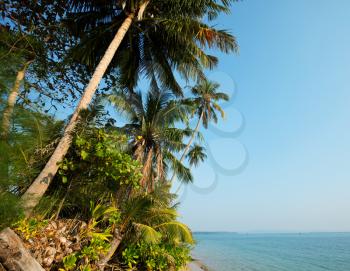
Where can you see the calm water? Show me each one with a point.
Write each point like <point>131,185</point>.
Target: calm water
<point>274,252</point>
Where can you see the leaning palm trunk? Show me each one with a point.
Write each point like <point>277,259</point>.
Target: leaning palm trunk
<point>117,238</point>
<point>35,192</point>
<point>6,119</point>
<point>189,144</point>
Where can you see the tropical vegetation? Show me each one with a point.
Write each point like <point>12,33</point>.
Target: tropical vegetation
<point>95,126</point>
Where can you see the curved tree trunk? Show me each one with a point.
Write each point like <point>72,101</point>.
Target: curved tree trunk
<point>38,188</point>
<point>189,144</point>
<point>35,192</point>
<point>6,119</point>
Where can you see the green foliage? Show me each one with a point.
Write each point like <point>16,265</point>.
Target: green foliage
<point>102,213</point>
<point>206,100</point>
<point>108,215</point>
<point>196,155</point>
<point>31,142</point>
<point>10,210</point>
<point>155,137</point>
<point>155,256</point>
<point>155,240</point>
<point>50,83</point>
<point>130,257</point>
<point>29,228</point>
<point>172,35</point>
<point>69,262</point>
<point>99,152</point>
<point>96,169</point>
<point>98,246</point>
<point>98,233</point>
<point>103,166</point>
<point>86,267</point>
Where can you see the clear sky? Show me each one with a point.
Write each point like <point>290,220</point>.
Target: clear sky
<point>291,84</point>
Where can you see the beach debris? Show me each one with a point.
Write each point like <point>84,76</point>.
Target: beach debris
<point>54,241</point>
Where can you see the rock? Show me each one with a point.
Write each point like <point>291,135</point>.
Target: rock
<point>13,255</point>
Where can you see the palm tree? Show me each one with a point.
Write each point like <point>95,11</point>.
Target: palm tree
<point>154,136</point>
<point>34,193</point>
<point>175,23</point>
<point>170,36</point>
<point>205,104</point>
<point>149,218</point>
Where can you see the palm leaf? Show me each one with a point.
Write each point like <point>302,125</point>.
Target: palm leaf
<point>147,233</point>
<point>176,230</point>
<point>196,155</point>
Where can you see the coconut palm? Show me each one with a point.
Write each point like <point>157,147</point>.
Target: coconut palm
<point>170,36</point>
<point>155,138</point>
<point>165,22</point>
<point>205,104</point>
<point>149,218</point>
<point>34,193</point>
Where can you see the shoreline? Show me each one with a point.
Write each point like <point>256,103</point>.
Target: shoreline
<point>196,265</point>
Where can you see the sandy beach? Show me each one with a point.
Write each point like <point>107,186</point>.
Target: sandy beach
<point>196,266</point>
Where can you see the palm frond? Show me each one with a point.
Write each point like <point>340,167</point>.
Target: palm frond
<point>196,155</point>
<point>147,233</point>
<point>175,230</point>
<point>182,172</point>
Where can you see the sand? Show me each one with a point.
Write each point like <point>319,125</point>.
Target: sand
<point>196,266</point>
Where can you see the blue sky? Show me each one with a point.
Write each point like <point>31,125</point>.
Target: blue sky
<point>291,84</point>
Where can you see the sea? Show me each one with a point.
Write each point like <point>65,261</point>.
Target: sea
<point>273,252</point>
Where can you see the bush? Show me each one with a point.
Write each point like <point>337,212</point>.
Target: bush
<point>157,257</point>
<point>10,209</point>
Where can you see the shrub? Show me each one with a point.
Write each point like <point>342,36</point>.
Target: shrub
<point>157,257</point>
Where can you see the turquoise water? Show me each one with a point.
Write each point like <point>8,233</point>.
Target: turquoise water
<point>274,252</point>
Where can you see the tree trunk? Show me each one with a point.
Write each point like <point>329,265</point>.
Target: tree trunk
<point>189,144</point>
<point>117,238</point>
<point>60,205</point>
<point>146,170</point>
<point>6,119</point>
<point>13,255</point>
<point>35,192</point>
